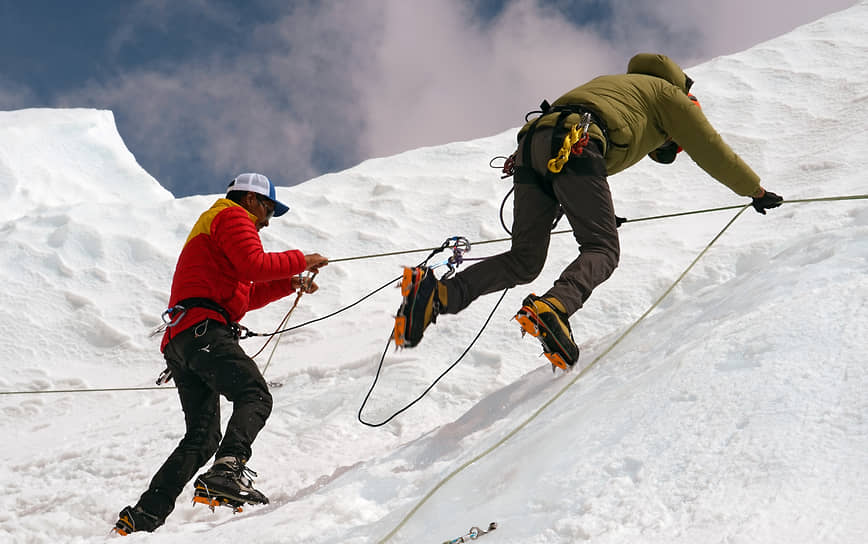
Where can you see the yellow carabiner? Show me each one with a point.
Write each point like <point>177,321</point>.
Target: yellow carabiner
<point>556,164</point>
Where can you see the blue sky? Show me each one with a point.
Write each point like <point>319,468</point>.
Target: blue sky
<point>202,90</point>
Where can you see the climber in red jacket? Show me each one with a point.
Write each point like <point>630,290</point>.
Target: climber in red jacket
<point>222,273</point>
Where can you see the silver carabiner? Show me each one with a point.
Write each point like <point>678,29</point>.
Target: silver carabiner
<point>166,316</point>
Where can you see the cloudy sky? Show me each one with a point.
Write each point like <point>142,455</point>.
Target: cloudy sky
<point>204,89</point>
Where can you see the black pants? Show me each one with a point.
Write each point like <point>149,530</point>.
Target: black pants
<point>206,362</point>
<point>583,192</point>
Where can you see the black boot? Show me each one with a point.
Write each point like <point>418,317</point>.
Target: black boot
<point>135,519</point>
<point>422,294</point>
<point>229,482</point>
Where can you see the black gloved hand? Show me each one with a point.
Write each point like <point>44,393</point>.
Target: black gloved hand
<point>666,153</point>
<point>767,201</point>
<point>619,221</point>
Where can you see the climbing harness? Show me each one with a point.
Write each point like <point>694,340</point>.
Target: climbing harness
<point>574,144</point>
<point>472,534</point>
<point>172,316</point>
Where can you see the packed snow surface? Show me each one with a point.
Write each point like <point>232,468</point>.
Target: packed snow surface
<point>734,412</point>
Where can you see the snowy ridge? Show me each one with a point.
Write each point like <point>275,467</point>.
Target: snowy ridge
<point>64,157</point>
<point>736,412</point>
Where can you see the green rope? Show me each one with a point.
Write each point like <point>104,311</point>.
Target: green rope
<point>567,231</point>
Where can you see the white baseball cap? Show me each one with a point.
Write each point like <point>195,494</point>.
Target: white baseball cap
<point>257,183</point>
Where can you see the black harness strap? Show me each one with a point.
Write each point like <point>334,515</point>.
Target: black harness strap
<point>563,112</point>
<point>181,308</point>
<point>581,109</point>
<point>201,302</point>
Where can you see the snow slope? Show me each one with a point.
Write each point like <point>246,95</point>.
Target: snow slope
<point>734,412</point>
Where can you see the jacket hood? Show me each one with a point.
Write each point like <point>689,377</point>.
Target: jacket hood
<point>658,66</point>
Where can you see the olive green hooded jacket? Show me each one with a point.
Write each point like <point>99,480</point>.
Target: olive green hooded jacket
<point>642,109</point>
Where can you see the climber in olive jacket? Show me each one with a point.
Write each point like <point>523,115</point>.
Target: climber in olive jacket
<point>632,115</point>
<point>645,107</point>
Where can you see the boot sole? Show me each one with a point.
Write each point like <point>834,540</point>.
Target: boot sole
<point>211,498</point>
<point>213,502</point>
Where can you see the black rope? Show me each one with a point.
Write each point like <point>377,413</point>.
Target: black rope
<point>323,318</point>
<point>502,205</point>
<point>434,251</point>
<point>430,387</point>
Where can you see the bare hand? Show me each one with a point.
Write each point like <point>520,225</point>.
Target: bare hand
<point>304,284</point>
<point>314,261</point>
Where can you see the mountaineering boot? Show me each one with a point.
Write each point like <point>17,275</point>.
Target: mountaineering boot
<point>423,296</point>
<point>546,319</point>
<point>135,519</point>
<point>227,483</point>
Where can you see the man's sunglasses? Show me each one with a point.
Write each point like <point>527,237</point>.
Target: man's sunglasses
<point>268,205</point>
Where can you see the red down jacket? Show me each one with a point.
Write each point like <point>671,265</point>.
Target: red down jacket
<point>223,260</point>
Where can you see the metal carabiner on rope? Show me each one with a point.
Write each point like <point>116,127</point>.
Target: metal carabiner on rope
<point>460,245</point>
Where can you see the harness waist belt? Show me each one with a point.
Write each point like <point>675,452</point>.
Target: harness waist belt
<point>207,303</point>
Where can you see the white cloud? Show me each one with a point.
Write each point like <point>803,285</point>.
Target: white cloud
<point>440,75</point>
<point>328,83</point>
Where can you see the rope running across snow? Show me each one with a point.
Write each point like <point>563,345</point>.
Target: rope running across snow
<point>405,252</point>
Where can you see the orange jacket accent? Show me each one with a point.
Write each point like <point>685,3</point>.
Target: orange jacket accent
<point>223,260</point>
